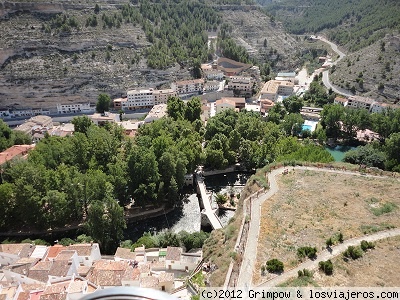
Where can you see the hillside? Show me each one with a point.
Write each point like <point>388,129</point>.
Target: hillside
<point>359,27</point>
<point>58,52</point>
<point>374,71</point>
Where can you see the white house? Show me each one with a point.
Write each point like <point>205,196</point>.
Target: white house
<point>75,108</point>
<point>87,253</point>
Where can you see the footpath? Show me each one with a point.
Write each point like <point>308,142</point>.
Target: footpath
<point>247,268</point>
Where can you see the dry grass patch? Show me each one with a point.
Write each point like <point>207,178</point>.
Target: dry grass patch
<point>377,267</point>
<point>312,206</point>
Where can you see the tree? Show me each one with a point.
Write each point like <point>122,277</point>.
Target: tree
<point>82,123</point>
<point>193,109</point>
<point>331,117</point>
<point>21,138</point>
<point>292,124</point>
<point>392,149</point>
<point>105,221</point>
<point>274,266</point>
<point>175,108</point>
<point>5,136</point>
<point>293,104</point>
<point>103,103</point>
<point>7,202</point>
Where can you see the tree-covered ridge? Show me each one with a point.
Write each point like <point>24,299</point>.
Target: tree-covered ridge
<point>354,24</point>
<point>177,30</point>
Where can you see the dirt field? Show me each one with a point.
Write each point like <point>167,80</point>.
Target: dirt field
<point>312,206</point>
<point>376,268</point>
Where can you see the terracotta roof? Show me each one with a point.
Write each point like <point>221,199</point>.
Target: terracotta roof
<point>82,249</point>
<point>131,274</point>
<point>21,250</point>
<point>166,277</point>
<point>40,271</point>
<point>55,291</point>
<point>35,295</point>
<point>65,255</point>
<point>174,253</point>
<point>107,272</point>
<point>149,282</point>
<point>125,253</point>
<point>33,287</point>
<point>9,292</point>
<point>23,296</point>
<point>60,268</point>
<point>76,286</point>
<point>144,269</point>
<point>54,250</point>
<point>20,268</point>
<point>14,151</point>
<point>83,270</point>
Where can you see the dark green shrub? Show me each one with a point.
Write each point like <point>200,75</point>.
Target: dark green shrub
<point>274,266</point>
<point>353,252</point>
<point>326,267</point>
<point>310,252</point>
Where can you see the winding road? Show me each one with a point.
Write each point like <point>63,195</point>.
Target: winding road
<point>325,74</point>
<point>250,254</point>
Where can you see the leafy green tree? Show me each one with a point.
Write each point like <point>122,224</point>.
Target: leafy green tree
<point>276,113</point>
<point>21,138</point>
<point>292,124</point>
<point>392,149</point>
<point>175,108</point>
<point>7,202</point>
<point>144,176</point>
<point>331,117</point>
<point>81,123</point>
<point>105,221</point>
<point>366,155</point>
<point>146,240</point>
<point>103,103</point>
<point>5,136</point>
<point>193,109</point>
<point>293,104</point>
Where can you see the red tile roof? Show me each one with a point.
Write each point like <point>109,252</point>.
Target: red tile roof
<point>14,151</point>
<point>54,251</point>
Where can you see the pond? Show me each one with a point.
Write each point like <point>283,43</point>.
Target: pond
<point>339,152</point>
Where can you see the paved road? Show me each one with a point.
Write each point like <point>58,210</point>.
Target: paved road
<point>325,74</point>
<point>250,253</point>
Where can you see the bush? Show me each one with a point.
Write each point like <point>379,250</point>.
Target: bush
<point>66,242</point>
<point>274,266</point>
<point>304,273</point>
<point>326,267</point>
<point>367,245</point>
<point>353,252</point>
<point>310,252</point>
